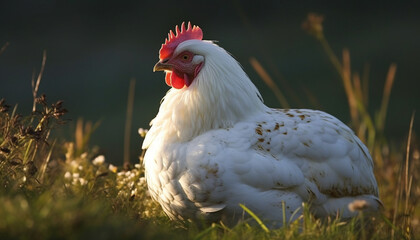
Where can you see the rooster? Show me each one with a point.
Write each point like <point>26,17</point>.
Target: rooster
<point>214,145</point>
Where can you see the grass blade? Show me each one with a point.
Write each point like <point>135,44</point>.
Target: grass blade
<point>283,209</point>
<point>45,163</point>
<point>408,180</point>
<point>205,232</point>
<point>255,217</point>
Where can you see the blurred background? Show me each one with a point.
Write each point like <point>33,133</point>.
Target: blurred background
<point>94,48</point>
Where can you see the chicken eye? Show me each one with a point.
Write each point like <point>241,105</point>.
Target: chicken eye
<point>185,57</point>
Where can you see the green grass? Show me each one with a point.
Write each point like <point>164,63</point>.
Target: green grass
<point>55,188</point>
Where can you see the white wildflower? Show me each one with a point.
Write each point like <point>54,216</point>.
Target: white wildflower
<point>137,166</point>
<point>134,192</point>
<point>143,132</point>
<point>74,164</point>
<point>76,175</point>
<point>113,169</point>
<point>142,180</point>
<point>80,167</point>
<point>83,155</point>
<point>67,175</point>
<point>99,160</point>
<point>23,203</point>
<point>82,181</point>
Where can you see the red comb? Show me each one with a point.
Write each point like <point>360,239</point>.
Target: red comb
<point>192,32</point>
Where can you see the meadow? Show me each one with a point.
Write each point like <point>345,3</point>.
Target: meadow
<point>56,188</point>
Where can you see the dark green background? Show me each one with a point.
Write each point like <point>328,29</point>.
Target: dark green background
<point>95,47</point>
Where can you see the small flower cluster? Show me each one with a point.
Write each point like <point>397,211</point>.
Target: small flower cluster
<point>132,185</point>
<point>125,187</point>
<point>129,182</point>
<point>75,174</point>
<point>75,179</point>
<point>84,169</point>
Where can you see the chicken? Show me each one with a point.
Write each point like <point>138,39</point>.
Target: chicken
<point>214,145</point>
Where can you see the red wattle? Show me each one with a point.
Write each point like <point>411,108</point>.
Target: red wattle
<point>173,80</point>
<point>168,78</point>
<point>177,81</point>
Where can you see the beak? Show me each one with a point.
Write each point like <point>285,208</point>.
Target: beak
<point>162,66</point>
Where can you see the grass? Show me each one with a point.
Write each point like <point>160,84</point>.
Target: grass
<point>55,188</point>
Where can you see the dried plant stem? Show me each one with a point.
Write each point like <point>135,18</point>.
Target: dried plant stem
<point>386,94</point>
<point>334,60</point>
<point>397,198</point>
<point>405,183</point>
<point>78,134</point>
<point>45,163</point>
<point>344,70</point>
<point>346,76</point>
<point>358,110</point>
<point>408,178</point>
<point>35,88</point>
<point>365,84</point>
<point>27,152</point>
<point>3,48</point>
<point>82,134</point>
<point>269,81</point>
<point>358,91</point>
<point>35,85</point>
<point>128,120</point>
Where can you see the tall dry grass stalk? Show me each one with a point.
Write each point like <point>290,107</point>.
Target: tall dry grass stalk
<point>82,135</point>
<point>385,96</point>
<point>35,84</point>
<point>370,128</point>
<point>3,48</point>
<point>403,193</point>
<point>128,120</point>
<point>356,89</point>
<point>30,152</point>
<point>269,81</point>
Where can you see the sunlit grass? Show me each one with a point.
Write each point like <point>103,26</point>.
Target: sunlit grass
<point>56,188</point>
<point>395,169</point>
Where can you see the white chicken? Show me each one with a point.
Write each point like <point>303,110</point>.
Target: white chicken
<point>215,145</point>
